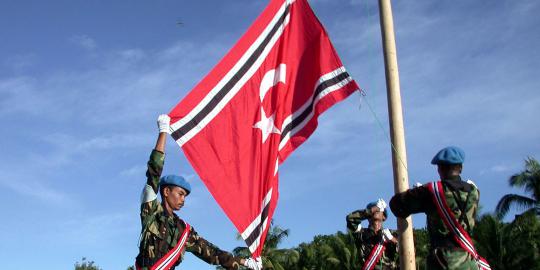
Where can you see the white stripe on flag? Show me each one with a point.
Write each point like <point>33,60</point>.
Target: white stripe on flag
<point>247,232</point>
<point>313,102</point>
<point>181,141</point>
<point>257,242</point>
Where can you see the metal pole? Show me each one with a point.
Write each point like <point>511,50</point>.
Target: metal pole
<point>397,132</point>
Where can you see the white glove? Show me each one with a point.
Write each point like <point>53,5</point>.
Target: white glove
<point>254,264</point>
<point>358,228</point>
<point>417,184</point>
<point>381,204</point>
<point>387,235</point>
<point>163,123</point>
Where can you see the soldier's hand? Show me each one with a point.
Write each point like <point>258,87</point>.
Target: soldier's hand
<point>387,235</point>
<point>163,123</point>
<point>254,264</point>
<point>417,184</point>
<point>381,204</point>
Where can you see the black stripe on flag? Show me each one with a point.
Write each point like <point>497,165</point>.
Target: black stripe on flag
<point>302,116</point>
<point>258,230</point>
<point>180,132</point>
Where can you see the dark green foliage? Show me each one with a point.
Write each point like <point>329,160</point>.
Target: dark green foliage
<point>273,257</point>
<point>335,251</point>
<point>86,265</point>
<point>421,246</point>
<point>529,180</point>
<point>513,245</point>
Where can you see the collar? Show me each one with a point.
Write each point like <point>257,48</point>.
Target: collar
<point>456,183</point>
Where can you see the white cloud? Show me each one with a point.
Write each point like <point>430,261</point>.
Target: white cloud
<point>136,170</point>
<point>500,168</point>
<point>28,184</point>
<point>84,42</point>
<point>113,141</point>
<point>133,54</point>
<point>20,62</point>
<point>97,228</point>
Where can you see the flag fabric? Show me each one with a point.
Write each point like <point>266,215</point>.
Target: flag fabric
<point>257,105</point>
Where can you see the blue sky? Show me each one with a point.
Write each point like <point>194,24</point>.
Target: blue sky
<point>82,83</point>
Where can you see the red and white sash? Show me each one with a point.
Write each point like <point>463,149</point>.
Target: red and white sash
<point>167,261</point>
<point>460,235</point>
<point>374,256</point>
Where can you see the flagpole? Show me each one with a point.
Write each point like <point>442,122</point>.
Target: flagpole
<point>397,132</point>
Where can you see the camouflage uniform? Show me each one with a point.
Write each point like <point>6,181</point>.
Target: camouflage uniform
<point>366,239</point>
<point>160,231</point>
<point>462,197</point>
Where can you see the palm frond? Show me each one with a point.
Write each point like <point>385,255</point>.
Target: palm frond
<point>508,200</point>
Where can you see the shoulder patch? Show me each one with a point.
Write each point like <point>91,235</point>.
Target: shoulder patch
<point>470,182</point>
<point>148,194</point>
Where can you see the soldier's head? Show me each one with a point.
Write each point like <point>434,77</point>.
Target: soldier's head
<point>449,161</point>
<point>377,217</point>
<point>174,190</point>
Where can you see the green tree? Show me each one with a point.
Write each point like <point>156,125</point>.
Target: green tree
<point>336,251</point>
<point>86,265</point>
<point>513,245</point>
<point>272,256</point>
<point>490,235</point>
<point>421,246</point>
<point>529,179</point>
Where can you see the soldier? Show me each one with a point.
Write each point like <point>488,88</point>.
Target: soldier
<point>377,246</point>
<point>450,206</point>
<point>164,236</point>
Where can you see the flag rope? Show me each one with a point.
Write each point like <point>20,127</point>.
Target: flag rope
<point>364,95</point>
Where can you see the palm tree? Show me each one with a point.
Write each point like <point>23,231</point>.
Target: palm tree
<point>336,251</point>
<point>529,179</point>
<point>508,246</point>
<point>273,257</point>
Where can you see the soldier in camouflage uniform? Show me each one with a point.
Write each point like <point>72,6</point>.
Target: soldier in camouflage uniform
<point>162,228</point>
<point>462,198</point>
<point>367,238</point>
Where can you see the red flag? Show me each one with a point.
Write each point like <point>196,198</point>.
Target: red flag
<point>255,107</point>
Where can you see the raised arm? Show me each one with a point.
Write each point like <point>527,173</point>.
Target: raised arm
<point>355,218</point>
<point>412,201</point>
<point>155,163</point>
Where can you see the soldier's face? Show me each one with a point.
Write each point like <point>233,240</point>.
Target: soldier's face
<point>175,197</point>
<point>376,221</point>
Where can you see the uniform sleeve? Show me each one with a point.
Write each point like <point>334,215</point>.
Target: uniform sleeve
<point>209,253</point>
<point>149,202</point>
<point>355,218</point>
<point>412,201</point>
<point>391,251</point>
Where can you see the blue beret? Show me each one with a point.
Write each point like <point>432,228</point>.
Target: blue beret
<point>371,204</point>
<point>449,156</point>
<point>175,180</point>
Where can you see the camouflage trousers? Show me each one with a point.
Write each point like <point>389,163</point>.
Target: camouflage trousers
<point>450,259</point>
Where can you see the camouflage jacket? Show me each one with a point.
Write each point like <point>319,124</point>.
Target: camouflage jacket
<point>462,198</point>
<point>367,238</point>
<point>160,232</point>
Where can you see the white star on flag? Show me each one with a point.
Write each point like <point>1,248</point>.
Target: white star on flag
<point>266,125</point>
